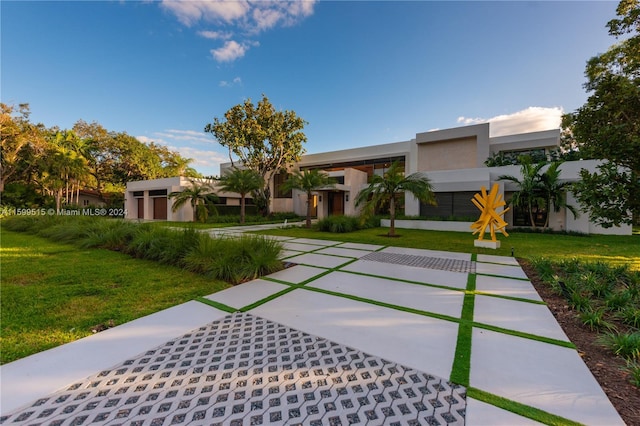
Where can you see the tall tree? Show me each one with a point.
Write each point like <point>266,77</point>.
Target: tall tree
<point>199,195</point>
<point>243,182</point>
<point>554,191</point>
<point>308,181</point>
<point>540,189</point>
<point>262,139</point>
<point>530,194</point>
<point>18,137</point>
<point>389,187</point>
<point>607,126</point>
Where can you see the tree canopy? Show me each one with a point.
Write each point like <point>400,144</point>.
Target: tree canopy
<point>607,126</point>
<point>386,189</point>
<point>58,163</point>
<point>308,181</point>
<point>540,189</point>
<point>262,139</point>
<point>242,181</point>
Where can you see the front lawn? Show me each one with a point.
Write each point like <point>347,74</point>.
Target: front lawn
<point>56,293</point>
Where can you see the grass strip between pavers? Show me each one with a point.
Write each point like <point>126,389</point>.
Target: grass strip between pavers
<point>520,409</point>
<point>514,298</point>
<point>267,299</point>
<point>524,335</point>
<point>461,368</point>
<point>216,305</point>
<point>502,276</point>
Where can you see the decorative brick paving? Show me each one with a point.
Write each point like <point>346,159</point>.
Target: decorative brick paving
<point>453,265</point>
<point>246,370</point>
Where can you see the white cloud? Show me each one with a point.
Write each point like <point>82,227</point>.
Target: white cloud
<point>531,119</point>
<point>189,12</point>
<point>187,143</point>
<point>235,82</point>
<point>215,35</point>
<point>231,51</point>
<point>206,162</point>
<point>248,17</point>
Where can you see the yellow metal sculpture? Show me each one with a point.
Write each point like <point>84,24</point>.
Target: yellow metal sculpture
<point>489,216</point>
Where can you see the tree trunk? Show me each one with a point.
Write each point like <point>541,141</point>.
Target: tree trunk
<point>546,222</point>
<point>242,208</point>
<point>533,222</point>
<point>392,217</point>
<point>58,196</point>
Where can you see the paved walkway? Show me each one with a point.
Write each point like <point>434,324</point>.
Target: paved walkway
<point>352,333</point>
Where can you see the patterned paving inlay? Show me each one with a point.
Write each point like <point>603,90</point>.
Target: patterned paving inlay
<point>452,265</point>
<point>246,370</point>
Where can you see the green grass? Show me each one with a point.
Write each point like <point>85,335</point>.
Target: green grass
<point>612,249</point>
<point>54,293</point>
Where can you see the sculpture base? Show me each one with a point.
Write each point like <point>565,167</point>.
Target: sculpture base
<point>487,244</point>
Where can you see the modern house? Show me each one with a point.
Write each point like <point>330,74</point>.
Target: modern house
<point>453,159</point>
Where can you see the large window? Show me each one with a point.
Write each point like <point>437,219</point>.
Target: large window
<point>370,167</point>
<point>521,216</point>
<point>278,180</point>
<point>456,205</point>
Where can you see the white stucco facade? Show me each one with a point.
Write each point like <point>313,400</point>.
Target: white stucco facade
<point>453,160</point>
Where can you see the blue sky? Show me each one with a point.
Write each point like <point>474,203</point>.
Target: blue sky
<point>360,72</point>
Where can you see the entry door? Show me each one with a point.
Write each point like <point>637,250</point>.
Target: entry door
<point>336,203</point>
<point>160,208</point>
<point>140,208</point>
<point>314,206</point>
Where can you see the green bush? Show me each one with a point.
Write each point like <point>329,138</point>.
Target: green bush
<point>109,234</point>
<point>234,260</point>
<point>231,259</point>
<point>626,345</point>
<point>339,224</point>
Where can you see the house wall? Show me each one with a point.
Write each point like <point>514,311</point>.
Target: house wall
<point>85,200</point>
<point>448,155</point>
<point>453,159</point>
<point>356,180</point>
<point>175,184</point>
<point>468,148</point>
<point>547,139</point>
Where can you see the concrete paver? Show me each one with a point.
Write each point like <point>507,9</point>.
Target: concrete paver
<point>549,377</point>
<point>194,363</point>
<point>391,334</point>
<point>515,315</point>
<point>507,287</point>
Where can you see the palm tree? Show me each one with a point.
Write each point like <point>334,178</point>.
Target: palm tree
<point>554,191</point>
<point>388,187</point>
<point>531,192</point>
<point>199,195</point>
<point>242,181</point>
<point>308,181</point>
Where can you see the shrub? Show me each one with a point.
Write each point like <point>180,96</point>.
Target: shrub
<point>626,345</point>
<point>580,302</point>
<point>339,224</point>
<point>234,259</point>
<point>618,300</point>
<point>544,267</point>
<point>594,319</point>
<point>109,234</point>
<point>630,315</point>
<point>633,368</point>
